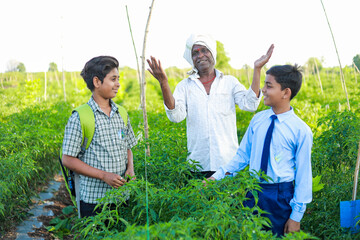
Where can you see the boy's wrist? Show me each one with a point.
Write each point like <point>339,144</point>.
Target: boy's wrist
<point>296,216</point>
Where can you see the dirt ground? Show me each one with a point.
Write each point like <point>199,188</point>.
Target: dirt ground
<point>61,199</point>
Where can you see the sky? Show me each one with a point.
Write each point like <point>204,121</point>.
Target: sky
<point>71,32</point>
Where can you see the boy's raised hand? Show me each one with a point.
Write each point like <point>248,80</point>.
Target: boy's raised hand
<point>264,58</point>
<point>156,70</point>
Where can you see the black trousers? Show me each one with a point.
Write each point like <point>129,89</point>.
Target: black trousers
<point>203,174</point>
<point>88,209</point>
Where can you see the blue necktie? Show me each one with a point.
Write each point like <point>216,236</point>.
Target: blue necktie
<point>266,149</point>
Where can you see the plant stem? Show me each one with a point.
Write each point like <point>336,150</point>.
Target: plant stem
<point>341,72</point>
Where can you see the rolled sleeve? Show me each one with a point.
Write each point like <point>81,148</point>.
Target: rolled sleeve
<point>298,210</point>
<point>177,114</point>
<point>247,99</point>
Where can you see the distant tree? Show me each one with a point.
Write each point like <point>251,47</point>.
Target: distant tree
<point>222,61</point>
<point>356,60</point>
<point>314,64</point>
<point>52,67</point>
<point>21,67</point>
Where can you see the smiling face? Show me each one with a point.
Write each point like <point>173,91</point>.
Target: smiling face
<point>110,85</point>
<point>273,95</point>
<point>202,58</point>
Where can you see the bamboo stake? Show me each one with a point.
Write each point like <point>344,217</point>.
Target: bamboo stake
<point>132,38</point>
<point>355,72</point>
<point>356,174</point>
<point>341,72</point>
<point>356,67</point>
<point>318,74</point>
<point>45,86</point>
<point>63,78</point>
<point>143,82</point>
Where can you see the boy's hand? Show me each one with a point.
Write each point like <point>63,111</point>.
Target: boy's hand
<point>130,174</point>
<point>291,226</point>
<point>264,58</point>
<point>209,179</point>
<point>156,70</point>
<point>113,179</point>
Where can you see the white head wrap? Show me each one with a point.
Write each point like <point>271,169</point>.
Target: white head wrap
<point>200,39</point>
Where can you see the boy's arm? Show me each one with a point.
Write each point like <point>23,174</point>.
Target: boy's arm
<point>82,168</point>
<point>255,85</point>
<point>303,176</point>
<point>241,158</point>
<point>130,166</point>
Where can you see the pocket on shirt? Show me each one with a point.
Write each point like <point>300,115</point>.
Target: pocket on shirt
<point>282,153</point>
<point>223,103</point>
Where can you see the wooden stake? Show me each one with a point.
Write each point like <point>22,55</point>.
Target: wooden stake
<point>143,82</point>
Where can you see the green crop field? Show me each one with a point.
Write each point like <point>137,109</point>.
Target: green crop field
<point>164,202</point>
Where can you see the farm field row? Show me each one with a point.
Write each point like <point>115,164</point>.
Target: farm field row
<point>32,123</point>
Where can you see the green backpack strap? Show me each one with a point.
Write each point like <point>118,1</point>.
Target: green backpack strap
<point>87,121</point>
<point>123,113</point>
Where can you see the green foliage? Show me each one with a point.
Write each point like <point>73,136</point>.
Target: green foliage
<point>179,207</point>
<point>314,65</point>
<point>336,147</point>
<point>21,67</point>
<point>53,67</point>
<point>222,60</point>
<point>316,185</point>
<point>356,60</point>
<point>191,212</point>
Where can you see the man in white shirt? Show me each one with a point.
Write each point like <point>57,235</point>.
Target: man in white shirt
<point>207,100</point>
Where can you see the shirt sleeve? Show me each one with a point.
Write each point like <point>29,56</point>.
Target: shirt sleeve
<point>72,136</point>
<point>303,177</point>
<point>246,99</point>
<point>179,113</point>
<point>131,139</point>
<point>241,158</point>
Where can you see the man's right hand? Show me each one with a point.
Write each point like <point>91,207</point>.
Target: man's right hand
<point>156,70</point>
<point>113,179</point>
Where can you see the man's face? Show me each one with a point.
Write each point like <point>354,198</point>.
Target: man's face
<point>202,58</point>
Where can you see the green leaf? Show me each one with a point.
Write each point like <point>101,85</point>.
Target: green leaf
<point>317,186</point>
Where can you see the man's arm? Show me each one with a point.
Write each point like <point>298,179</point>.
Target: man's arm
<point>82,168</point>
<point>158,72</point>
<point>255,85</point>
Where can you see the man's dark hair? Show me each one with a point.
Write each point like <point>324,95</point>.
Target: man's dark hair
<point>287,76</point>
<point>98,67</point>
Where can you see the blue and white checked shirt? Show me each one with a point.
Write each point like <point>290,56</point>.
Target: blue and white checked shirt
<point>107,151</point>
<point>290,155</point>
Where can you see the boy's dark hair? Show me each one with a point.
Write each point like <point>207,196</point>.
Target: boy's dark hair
<point>287,76</point>
<point>98,67</point>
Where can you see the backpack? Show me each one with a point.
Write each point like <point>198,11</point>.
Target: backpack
<point>87,122</point>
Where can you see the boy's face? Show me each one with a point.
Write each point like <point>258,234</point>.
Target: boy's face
<point>273,95</point>
<point>110,86</point>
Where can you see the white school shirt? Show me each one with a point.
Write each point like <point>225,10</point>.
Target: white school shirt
<point>211,119</point>
<point>290,155</point>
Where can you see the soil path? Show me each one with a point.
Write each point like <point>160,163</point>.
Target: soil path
<point>47,206</point>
